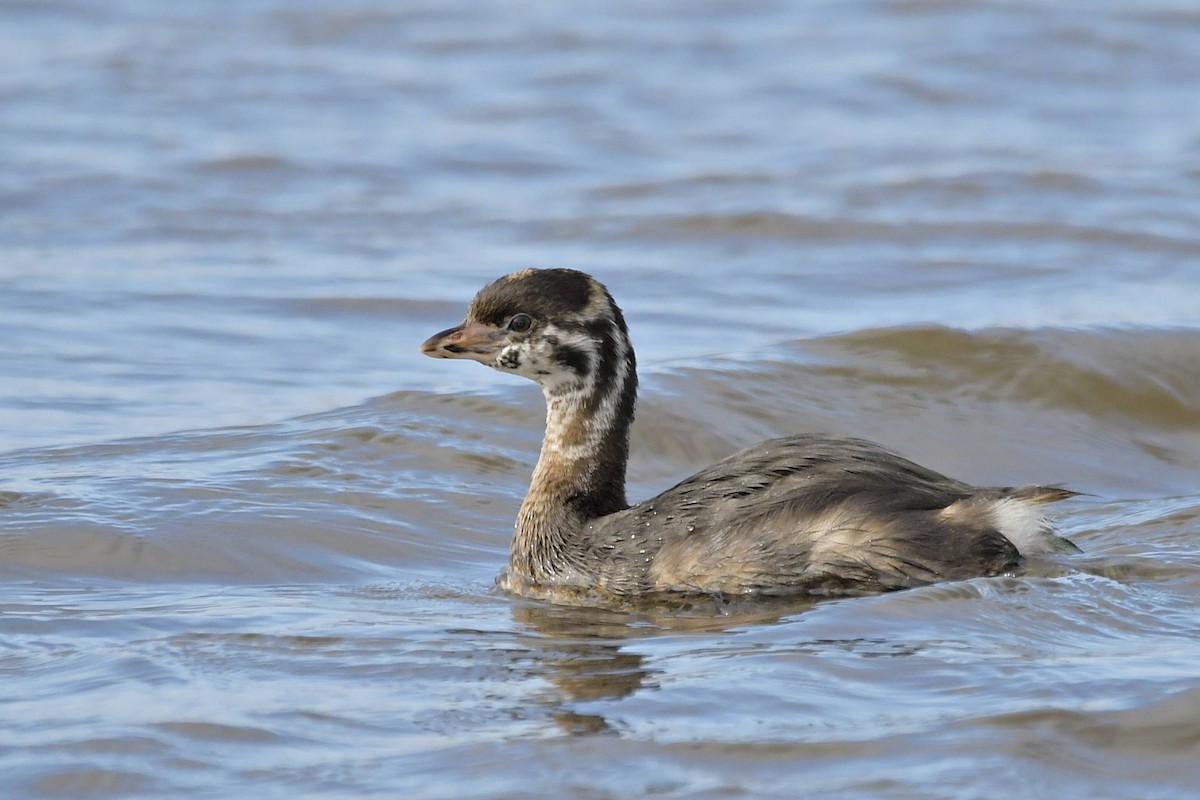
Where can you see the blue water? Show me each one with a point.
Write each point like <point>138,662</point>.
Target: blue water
<point>248,535</point>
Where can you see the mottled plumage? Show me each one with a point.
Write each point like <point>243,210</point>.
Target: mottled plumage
<point>798,515</point>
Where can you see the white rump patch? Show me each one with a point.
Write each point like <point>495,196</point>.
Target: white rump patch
<point>1024,526</point>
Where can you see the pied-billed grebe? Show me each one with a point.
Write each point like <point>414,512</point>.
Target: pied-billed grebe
<point>798,515</point>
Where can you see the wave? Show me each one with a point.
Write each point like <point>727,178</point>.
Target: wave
<point>359,491</point>
<point>1143,376</point>
<point>787,227</point>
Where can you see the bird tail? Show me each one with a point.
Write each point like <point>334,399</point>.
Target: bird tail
<point>1038,494</point>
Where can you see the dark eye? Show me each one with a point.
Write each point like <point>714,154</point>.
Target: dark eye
<point>520,323</point>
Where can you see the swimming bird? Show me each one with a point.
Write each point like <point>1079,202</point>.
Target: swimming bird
<point>799,515</point>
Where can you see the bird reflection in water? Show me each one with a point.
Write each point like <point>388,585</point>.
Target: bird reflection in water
<point>586,653</point>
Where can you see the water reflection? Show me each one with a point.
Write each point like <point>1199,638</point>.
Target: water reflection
<point>585,652</point>
<point>580,652</point>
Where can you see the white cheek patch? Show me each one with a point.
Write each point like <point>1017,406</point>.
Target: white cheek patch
<point>555,378</point>
<point>529,360</point>
<point>509,358</point>
<point>534,358</point>
<point>576,339</point>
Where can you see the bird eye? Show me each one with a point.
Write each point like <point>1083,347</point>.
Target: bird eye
<point>520,323</point>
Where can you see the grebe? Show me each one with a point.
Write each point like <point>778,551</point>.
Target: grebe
<point>800,515</point>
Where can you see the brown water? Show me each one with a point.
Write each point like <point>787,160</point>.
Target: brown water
<point>248,535</point>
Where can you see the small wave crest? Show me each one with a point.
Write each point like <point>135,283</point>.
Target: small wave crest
<point>1144,376</point>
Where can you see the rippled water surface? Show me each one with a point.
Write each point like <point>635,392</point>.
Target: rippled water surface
<point>248,535</point>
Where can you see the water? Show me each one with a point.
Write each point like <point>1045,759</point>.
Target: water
<point>248,535</point>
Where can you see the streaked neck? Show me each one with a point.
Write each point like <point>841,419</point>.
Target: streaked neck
<point>580,474</point>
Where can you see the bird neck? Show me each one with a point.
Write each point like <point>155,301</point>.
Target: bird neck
<point>580,474</point>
